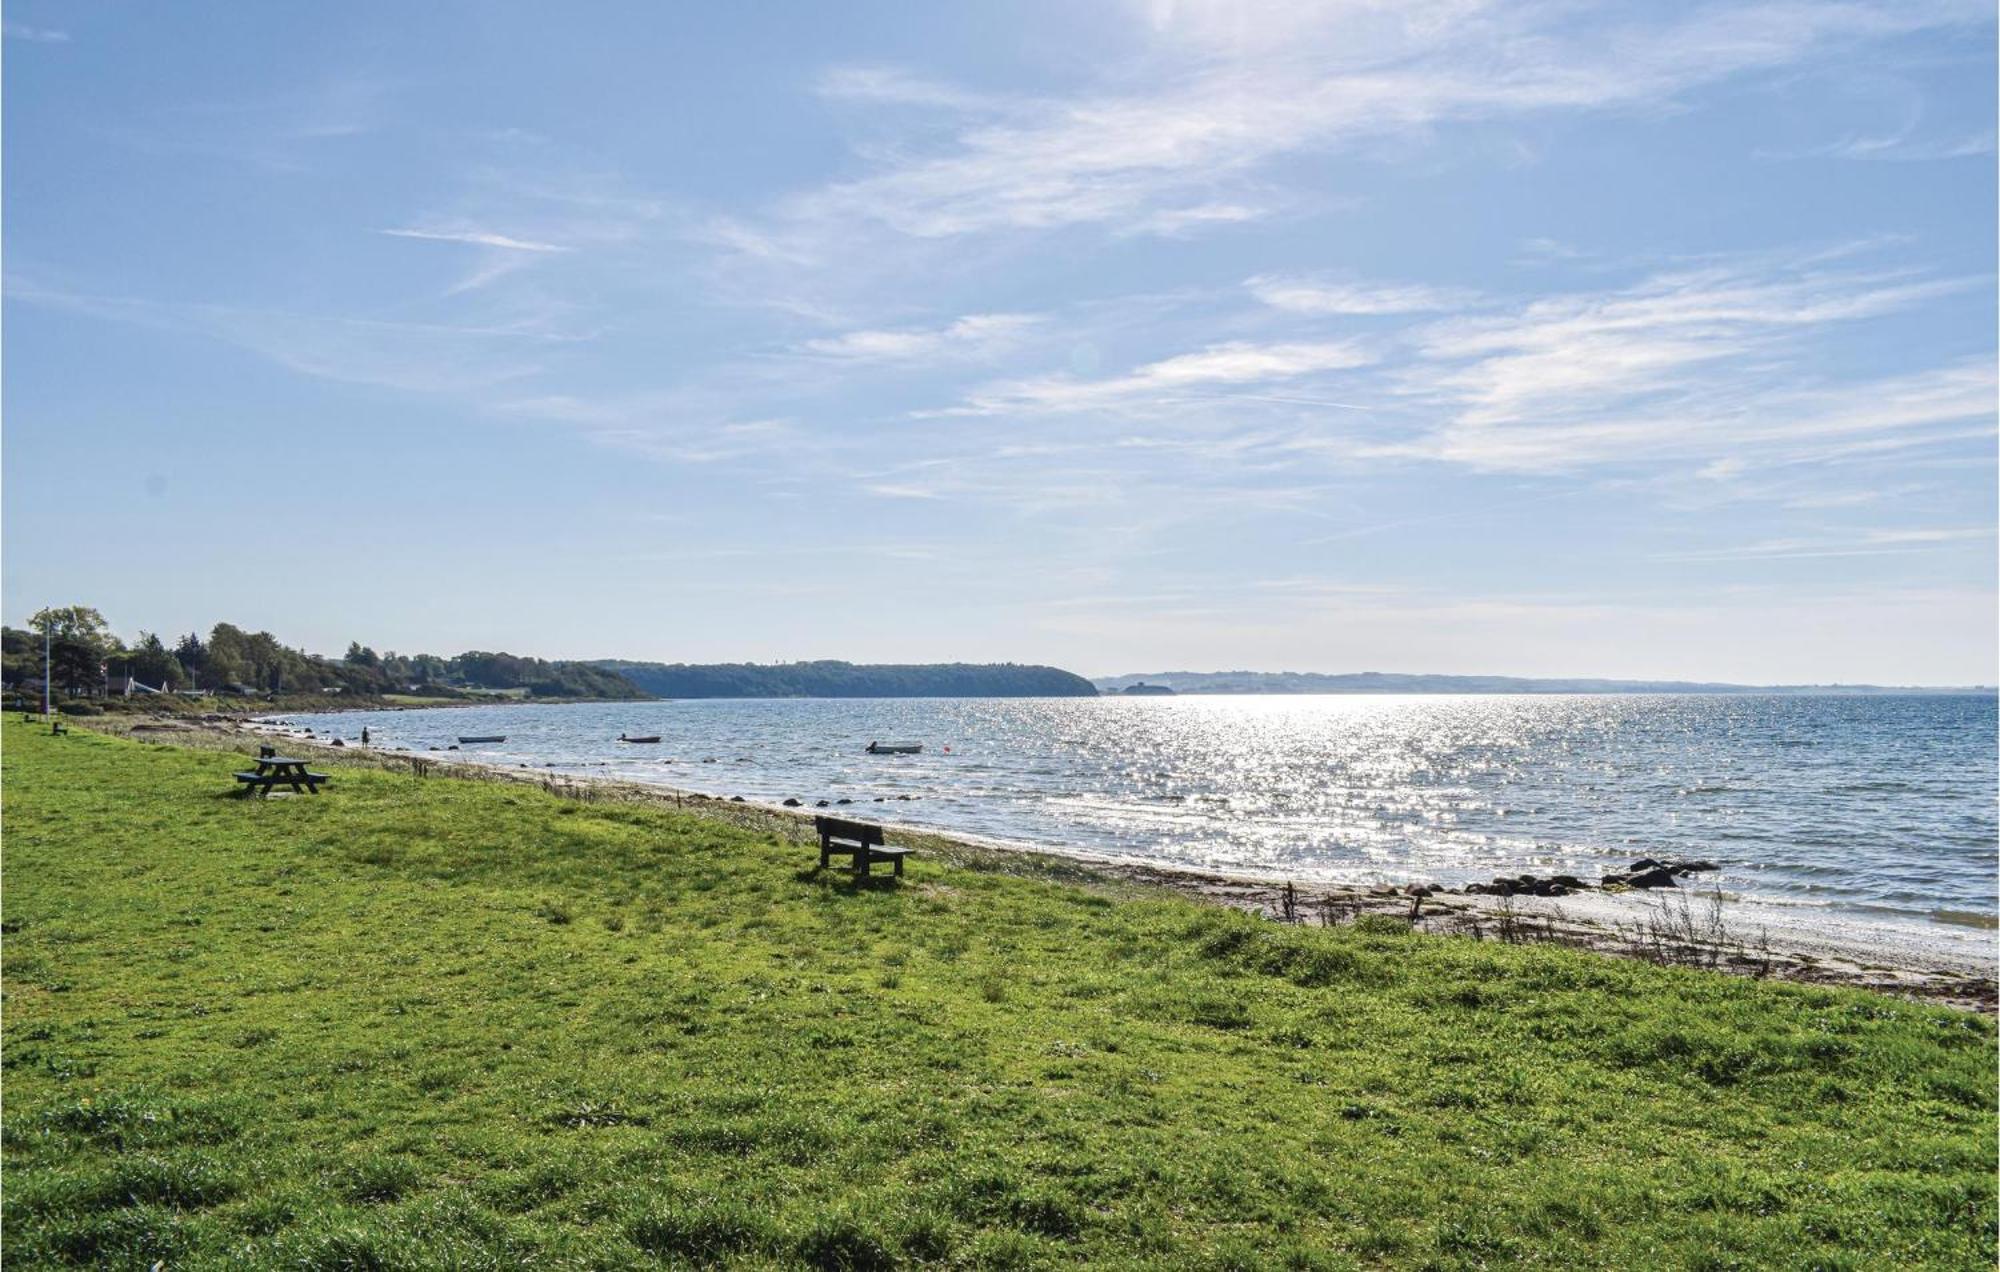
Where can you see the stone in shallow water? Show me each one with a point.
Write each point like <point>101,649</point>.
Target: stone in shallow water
<point>1659,877</point>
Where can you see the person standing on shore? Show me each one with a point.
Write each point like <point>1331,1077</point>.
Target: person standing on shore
<point>364,735</point>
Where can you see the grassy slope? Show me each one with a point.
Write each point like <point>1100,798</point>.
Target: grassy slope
<point>431,1021</point>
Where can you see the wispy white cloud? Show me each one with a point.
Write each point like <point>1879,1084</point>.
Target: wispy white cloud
<point>291,131</point>
<point>1887,542</point>
<point>459,360</point>
<point>1219,99</point>
<point>1680,364</point>
<point>974,334</point>
<point>1317,296</point>
<point>1183,221</point>
<point>34,34</point>
<point>897,86</point>
<point>501,255</point>
<point>1897,147</point>
<point>476,238</point>
<point>1821,423</point>
<point>1231,363</point>
<point>681,425</point>
<point>1570,351</point>
<point>687,441</point>
<point>1931,535</point>
<point>1843,498</point>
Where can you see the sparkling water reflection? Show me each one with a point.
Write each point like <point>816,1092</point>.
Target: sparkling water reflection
<point>1865,805</point>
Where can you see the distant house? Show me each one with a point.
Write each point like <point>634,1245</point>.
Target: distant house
<point>127,685</point>
<point>118,679</point>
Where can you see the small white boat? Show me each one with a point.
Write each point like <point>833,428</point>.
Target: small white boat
<point>895,748</point>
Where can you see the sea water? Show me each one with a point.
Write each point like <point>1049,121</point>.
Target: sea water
<point>1865,807</point>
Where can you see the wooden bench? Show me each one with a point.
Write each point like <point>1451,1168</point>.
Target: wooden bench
<point>860,841</point>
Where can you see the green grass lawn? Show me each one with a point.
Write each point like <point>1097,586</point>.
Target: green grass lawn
<point>429,1022</point>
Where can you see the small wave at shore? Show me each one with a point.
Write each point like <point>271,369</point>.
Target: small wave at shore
<point>1963,918</point>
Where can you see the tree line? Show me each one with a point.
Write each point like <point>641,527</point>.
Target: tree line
<point>833,679</point>
<point>82,650</point>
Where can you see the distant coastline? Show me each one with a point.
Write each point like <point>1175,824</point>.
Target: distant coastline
<point>835,679</point>
<point>1367,682</point>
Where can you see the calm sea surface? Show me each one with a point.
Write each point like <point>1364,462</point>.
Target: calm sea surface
<point>1878,808</point>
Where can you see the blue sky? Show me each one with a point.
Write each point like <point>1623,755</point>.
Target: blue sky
<point>1458,337</point>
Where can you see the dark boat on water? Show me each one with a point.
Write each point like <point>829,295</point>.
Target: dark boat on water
<point>497,737</point>
<point>624,738</point>
<point>895,748</point>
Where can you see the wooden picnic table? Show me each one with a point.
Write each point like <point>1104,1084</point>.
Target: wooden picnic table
<point>281,770</point>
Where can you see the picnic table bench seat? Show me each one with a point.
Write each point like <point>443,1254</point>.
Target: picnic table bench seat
<point>861,842</point>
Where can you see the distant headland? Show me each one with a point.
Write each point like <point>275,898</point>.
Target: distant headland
<point>74,652</point>
<point>1364,682</point>
<point>833,679</point>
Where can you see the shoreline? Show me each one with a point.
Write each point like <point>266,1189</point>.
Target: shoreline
<point>1687,926</point>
